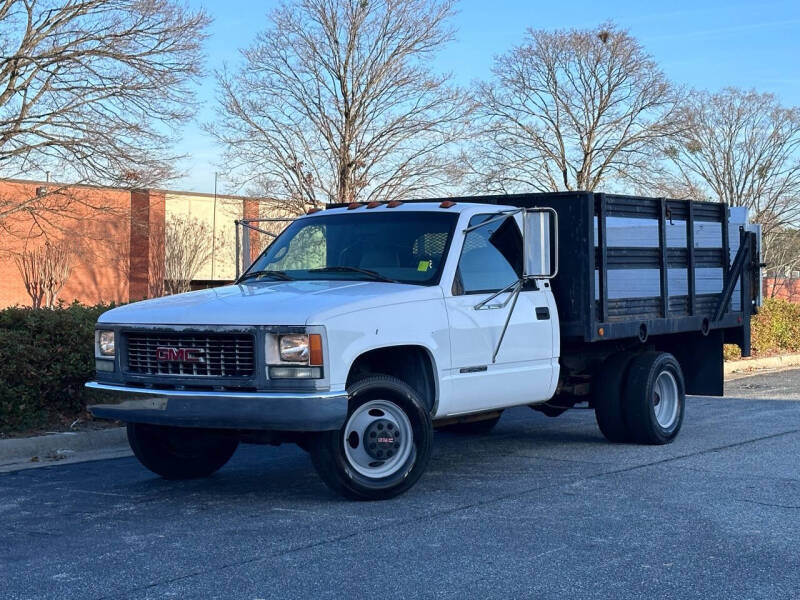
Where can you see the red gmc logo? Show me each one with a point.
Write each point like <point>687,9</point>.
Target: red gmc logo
<point>184,355</point>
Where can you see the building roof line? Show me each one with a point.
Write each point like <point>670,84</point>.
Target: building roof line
<point>125,189</point>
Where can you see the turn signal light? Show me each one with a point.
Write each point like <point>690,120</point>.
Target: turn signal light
<point>315,350</point>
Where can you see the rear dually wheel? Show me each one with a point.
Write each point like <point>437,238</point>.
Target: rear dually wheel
<point>655,398</point>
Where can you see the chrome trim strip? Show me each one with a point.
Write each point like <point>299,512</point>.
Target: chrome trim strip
<point>219,395</point>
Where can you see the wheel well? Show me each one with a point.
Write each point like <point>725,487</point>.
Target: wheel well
<point>412,364</point>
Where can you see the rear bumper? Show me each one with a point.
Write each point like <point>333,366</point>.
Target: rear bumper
<point>275,411</point>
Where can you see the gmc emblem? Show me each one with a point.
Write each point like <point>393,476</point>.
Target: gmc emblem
<point>184,355</point>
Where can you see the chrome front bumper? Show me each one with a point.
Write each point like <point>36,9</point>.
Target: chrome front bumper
<point>274,411</point>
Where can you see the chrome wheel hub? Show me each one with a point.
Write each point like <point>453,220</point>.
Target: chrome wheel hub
<point>378,439</point>
<point>665,400</point>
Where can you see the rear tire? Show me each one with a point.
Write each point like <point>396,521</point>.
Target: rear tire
<point>180,452</point>
<point>608,389</point>
<point>383,447</point>
<point>473,427</point>
<point>655,398</point>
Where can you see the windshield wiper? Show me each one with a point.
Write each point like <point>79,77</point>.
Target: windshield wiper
<point>280,275</point>
<point>344,269</point>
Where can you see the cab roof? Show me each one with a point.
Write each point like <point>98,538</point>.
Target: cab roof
<point>437,206</point>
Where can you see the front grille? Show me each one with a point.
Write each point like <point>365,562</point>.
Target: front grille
<point>196,354</point>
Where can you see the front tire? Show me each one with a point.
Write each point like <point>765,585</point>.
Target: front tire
<point>655,398</point>
<point>383,447</point>
<point>180,452</point>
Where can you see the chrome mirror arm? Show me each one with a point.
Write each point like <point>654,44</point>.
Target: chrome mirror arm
<point>514,296</point>
<point>484,302</point>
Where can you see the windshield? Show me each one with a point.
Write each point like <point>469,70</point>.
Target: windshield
<point>405,247</point>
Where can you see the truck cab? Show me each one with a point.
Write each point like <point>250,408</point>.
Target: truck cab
<point>354,334</point>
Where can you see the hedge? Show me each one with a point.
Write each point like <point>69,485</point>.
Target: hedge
<point>775,330</point>
<point>46,355</point>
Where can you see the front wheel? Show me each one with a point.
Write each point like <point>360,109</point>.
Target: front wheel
<point>180,452</point>
<point>383,447</point>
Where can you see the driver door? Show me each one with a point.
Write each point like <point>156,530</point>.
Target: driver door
<point>525,366</point>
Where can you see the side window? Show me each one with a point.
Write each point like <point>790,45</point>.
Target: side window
<point>491,258</point>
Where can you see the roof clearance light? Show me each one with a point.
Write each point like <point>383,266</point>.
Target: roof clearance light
<point>353,205</point>
<point>373,204</point>
<point>313,210</point>
<point>394,204</point>
<point>447,204</point>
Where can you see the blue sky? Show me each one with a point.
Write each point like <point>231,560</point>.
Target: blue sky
<point>706,44</point>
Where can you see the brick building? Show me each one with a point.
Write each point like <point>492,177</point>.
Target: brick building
<point>115,236</point>
<point>786,288</point>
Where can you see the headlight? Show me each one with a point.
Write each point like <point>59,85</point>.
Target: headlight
<point>294,356</point>
<point>104,343</point>
<point>300,348</point>
<point>294,348</point>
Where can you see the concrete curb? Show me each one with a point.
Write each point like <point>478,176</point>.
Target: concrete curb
<point>62,448</point>
<point>754,364</point>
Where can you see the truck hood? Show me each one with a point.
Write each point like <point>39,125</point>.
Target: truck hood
<point>268,303</point>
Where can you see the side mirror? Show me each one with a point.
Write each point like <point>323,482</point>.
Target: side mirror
<point>540,239</point>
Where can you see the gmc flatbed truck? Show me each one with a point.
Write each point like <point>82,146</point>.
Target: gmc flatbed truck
<point>363,327</point>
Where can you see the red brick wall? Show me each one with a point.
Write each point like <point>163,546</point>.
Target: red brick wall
<point>117,236</point>
<point>250,211</point>
<point>780,287</point>
<point>95,221</point>
<point>146,243</point>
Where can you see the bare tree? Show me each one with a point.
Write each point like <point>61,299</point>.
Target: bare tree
<point>743,149</point>
<point>93,90</point>
<point>570,110</point>
<point>44,271</point>
<point>188,245</point>
<point>337,102</point>
<point>784,266</point>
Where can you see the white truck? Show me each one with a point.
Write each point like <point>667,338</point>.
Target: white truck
<point>363,327</point>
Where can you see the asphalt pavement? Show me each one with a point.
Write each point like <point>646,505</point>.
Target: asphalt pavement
<point>542,507</point>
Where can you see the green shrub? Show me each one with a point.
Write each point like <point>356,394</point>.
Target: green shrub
<point>46,355</point>
<point>775,329</point>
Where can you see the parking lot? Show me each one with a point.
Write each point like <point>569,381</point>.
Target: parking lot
<point>541,507</point>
